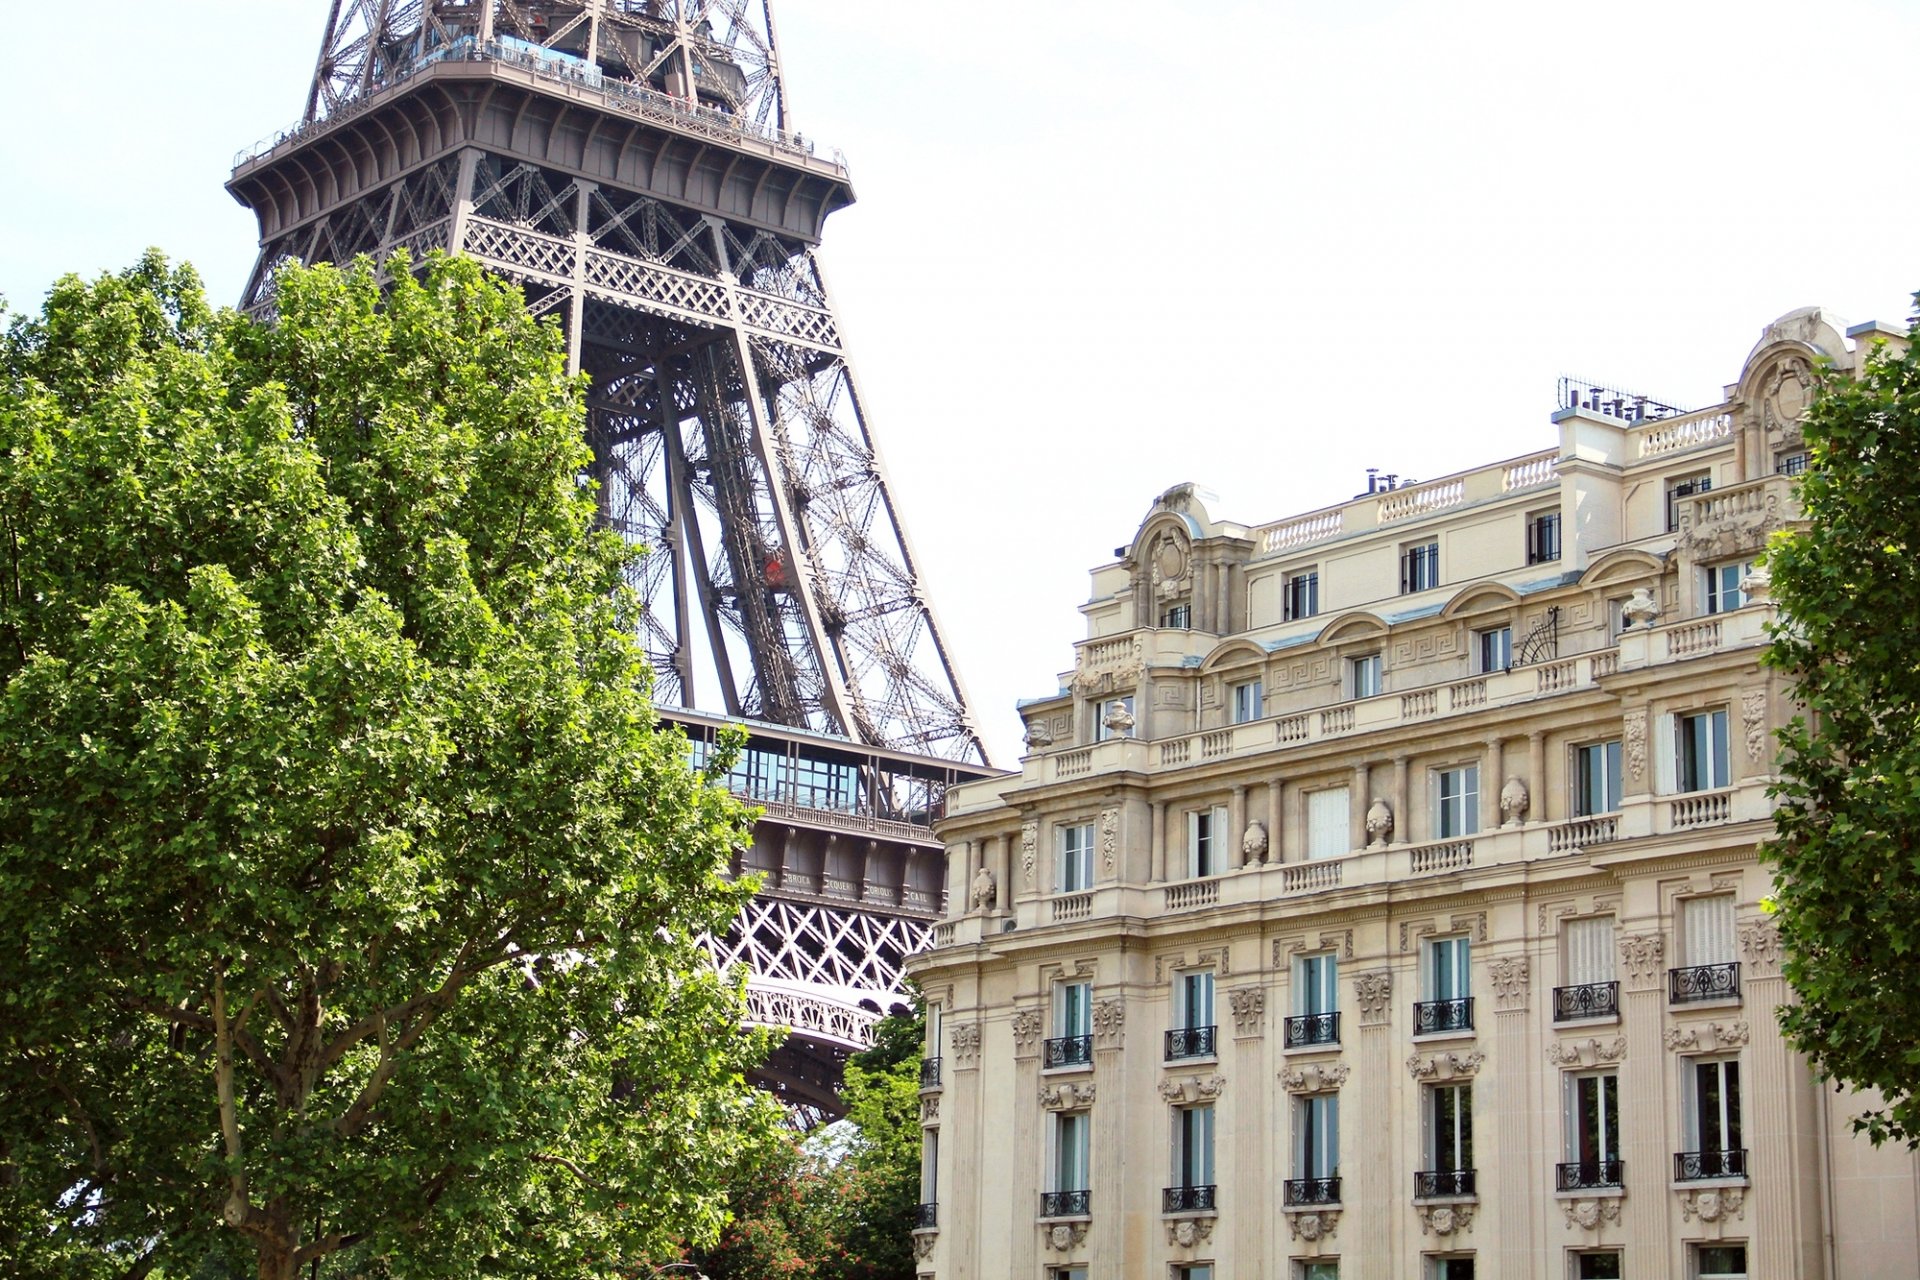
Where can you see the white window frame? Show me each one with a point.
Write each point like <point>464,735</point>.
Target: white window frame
<point>1072,1009</point>
<point>1329,835</point>
<point>1366,675</point>
<point>1419,566</point>
<point>1609,777</point>
<point>1316,1136</point>
<point>1071,1151</point>
<point>1316,1269</point>
<point>1493,649</point>
<point>1720,590</point>
<point>1206,842</point>
<point>1177,616</point>
<point>1573,1261</point>
<point>1073,857</point>
<point>1456,802</point>
<point>1316,984</point>
<point>1608,1136</point>
<point>1689,766</point>
<point>1679,487</point>
<point>929,1166</point>
<point>1694,1264</point>
<point>1194,991</point>
<point>936,1020</point>
<point>1449,1139</point>
<point>1725,1125</point>
<point>1447,973</point>
<point>1309,578</point>
<point>1193,1128</point>
<point>1537,548</point>
<point>1249,701</point>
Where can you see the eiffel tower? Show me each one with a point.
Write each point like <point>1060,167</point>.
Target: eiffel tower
<point>632,167</point>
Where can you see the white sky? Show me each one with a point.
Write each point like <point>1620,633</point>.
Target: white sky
<point>1103,248</point>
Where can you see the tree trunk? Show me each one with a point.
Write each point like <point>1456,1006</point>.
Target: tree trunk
<point>276,1262</point>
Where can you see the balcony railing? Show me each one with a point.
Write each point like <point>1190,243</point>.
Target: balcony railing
<point>929,1073</point>
<point>1585,1175</point>
<point>1190,1042</point>
<point>1065,1204</point>
<point>1704,982</point>
<point>926,1217</point>
<point>1187,1199</point>
<point>1067,1051</point>
<point>1432,1017</point>
<point>1691,1166</point>
<point>1589,1000</point>
<point>1311,1029</point>
<point>1299,1191</point>
<point>1443,1182</point>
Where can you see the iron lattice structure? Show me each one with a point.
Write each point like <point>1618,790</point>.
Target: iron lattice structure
<point>631,164</point>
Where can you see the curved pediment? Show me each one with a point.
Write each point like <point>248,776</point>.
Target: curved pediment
<point>1352,626</point>
<point>1233,652</point>
<point>1616,566</point>
<point>1480,596</point>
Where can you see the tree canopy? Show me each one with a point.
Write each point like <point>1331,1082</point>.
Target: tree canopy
<point>1847,855</point>
<point>352,894</point>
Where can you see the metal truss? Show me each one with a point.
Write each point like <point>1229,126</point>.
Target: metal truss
<point>842,954</point>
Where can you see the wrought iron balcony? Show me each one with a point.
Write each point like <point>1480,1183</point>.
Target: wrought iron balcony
<point>1584,1175</point>
<point>1443,1182</point>
<point>1187,1199</point>
<point>926,1217</point>
<point>929,1073</point>
<point>1190,1042</point>
<point>1431,1017</point>
<point>1704,982</point>
<point>1691,1166</point>
<point>1590,1000</point>
<point>1312,1191</point>
<point>1065,1204</point>
<point>1311,1029</point>
<point>1067,1051</point>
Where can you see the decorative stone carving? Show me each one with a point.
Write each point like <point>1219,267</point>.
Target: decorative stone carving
<point>1445,1219</point>
<point>1026,1031</point>
<point>982,895</point>
<point>1641,610</point>
<point>1253,844</point>
<point>1249,1005</point>
<point>1029,850</point>
<point>1109,837</point>
<point>1168,563</point>
<point>966,1044</point>
<point>1315,1077</point>
<point>1756,584</point>
<point>1379,823</point>
<point>1373,991</point>
<point>1185,1233</point>
<point>923,1242</point>
<point>1590,1214</point>
<point>1444,1066</point>
<point>1644,955</point>
<point>1109,1023</point>
<point>1635,726</point>
<point>1790,389</point>
<point>1590,1052</point>
<point>1193,1088</point>
<point>1038,735</point>
<point>1066,1095</point>
<point>1114,668</point>
<point>929,1108</point>
<point>1313,1224</point>
<point>1753,722</point>
<point>1119,720</point>
<point>1760,945</point>
<point>1714,1035</point>
<point>1062,1236</point>
<point>1510,976</point>
<point>1514,802</point>
<point>1714,1205</point>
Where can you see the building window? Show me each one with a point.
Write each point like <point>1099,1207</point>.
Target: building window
<point>1317,1270</point>
<point>1071,1044</point>
<point>1302,598</point>
<point>1702,750</point>
<point>1072,1131</point>
<point>1449,1120</point>
<point>1178,616</point>
<point>1328,820</point>
<point>1719,1262</point>
<point>1195,1271</point>
<point>1192,1033</point>
<point>1707,968</point>
<point>1419,567</point>
<point>1193,1183</point>
<point>1593,1132</point>
<point>1494,648</point>
<point>1316,1001</point>
<point>1316,1150</point>
<point>1457,1267</point>
<point>1590,989</point>
<point>1113,719</point>
<point>1075,858</point>
<point>1363,676</point>
<point>1206,842</point>
<point>1680,490</point>
<point>1543,537</point>
<point>1791,464</point>
<point>929,1176</point>
<point>1597,1266</point>
<point>1720,587</point>
<point>1066,1273</point>
<point>1596,786</point>
<point>1712,1101</point>
<point>1449,992</point>
<point>1458,809</point>
<point>1248,702</point>
<point>930,1049</point>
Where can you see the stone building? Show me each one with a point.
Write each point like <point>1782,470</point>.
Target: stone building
<point>1378,897</point>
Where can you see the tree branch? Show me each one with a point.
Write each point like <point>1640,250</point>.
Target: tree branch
<point>573,1169</point>
<point>237,1209</point>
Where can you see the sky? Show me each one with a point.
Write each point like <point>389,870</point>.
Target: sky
<point>1101,249</point>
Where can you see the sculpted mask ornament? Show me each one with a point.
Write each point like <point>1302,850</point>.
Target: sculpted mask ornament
<point>1589,1214</point>
<point>1445,1219</point>
<point>1514,802</point>
<point>1188,1232</point>
<point>1379,824</point>
<point>1313,1225</point>
<point>1038,735</point>
<point>1063,1236</point>
<point>923,1242</point>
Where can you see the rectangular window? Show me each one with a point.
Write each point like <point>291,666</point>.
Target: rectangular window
<point>1720,587</point>
<point>1179,617</point>
<point>1318,1270</point>
<point>1248,702</point>
<point>1597,1266</point>
<point>1316,1136</point>
<point>1419,567</point>
<point>1193,1146</point>
<point>1302,595</point>
<point>1458,802</point>
<point>1596,778</point>
<point>1328,820</point>
<point>1076,858</point>
<point>1449,968</point>
<point>1449,1130</point>
<point>1719,1262</point>
<point>930,1166</point>
<point>1702,751</point>
<point>1066,1273</point>
<point>1113,719</point>
<point>1679,491</point>
<point>1588,951</point>
<point>1454,1268</point>
<point>1593,1123</point>
<point>1206,842</point>
<point>1706,930</point>
<point>1197,1271</point>
<point>1494,648</point>
<point>1363,676</point>
<point>1317,984</point>
<point>1791,464</point>
<point>1543,537</point>
<point>1071,1133</point>
<point>1072,1009</point>
<point>1193,1000</point>
<point>1713,1119</point>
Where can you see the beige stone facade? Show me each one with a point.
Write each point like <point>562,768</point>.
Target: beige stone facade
<point>1378,897</point>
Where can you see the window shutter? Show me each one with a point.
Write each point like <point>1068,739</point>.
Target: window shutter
<point>1706,927</point>
<point>1666,754</point>
<point>1589,951</point>
<point>1327,819</point>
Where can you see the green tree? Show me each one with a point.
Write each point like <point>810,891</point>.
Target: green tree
<point>351,893</point>
<point>1847,854</point>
